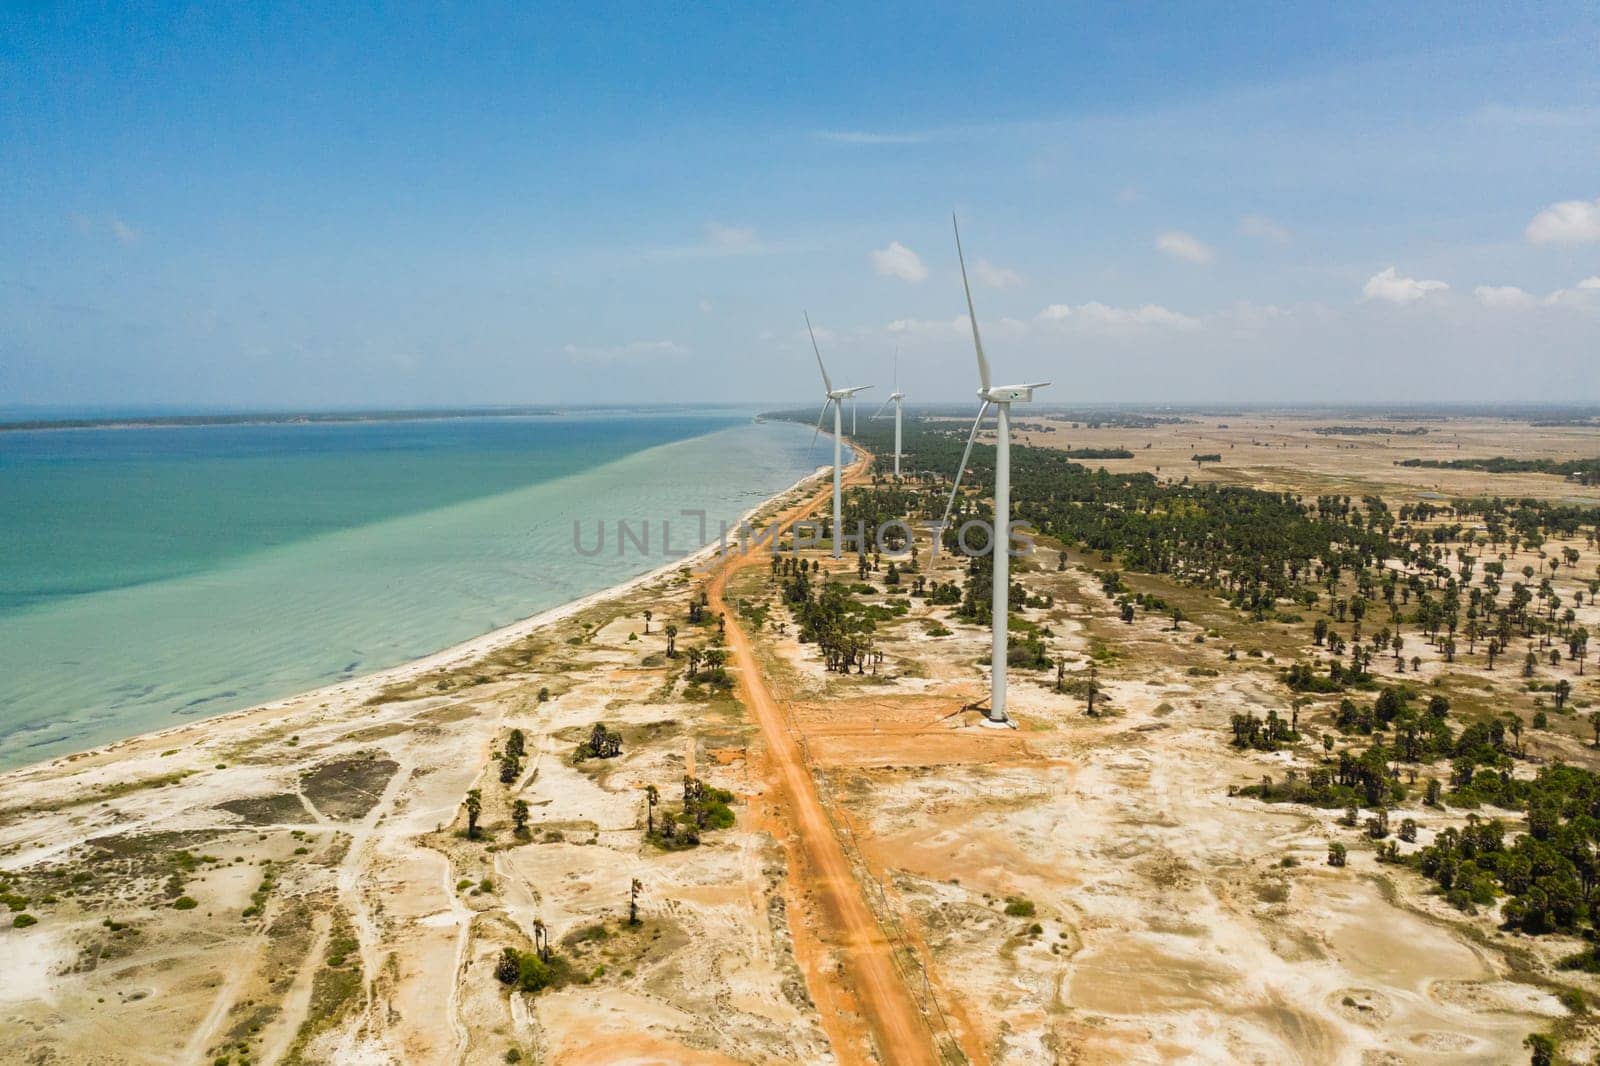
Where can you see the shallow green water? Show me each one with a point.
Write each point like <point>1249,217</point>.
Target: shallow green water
<point>150,575</point>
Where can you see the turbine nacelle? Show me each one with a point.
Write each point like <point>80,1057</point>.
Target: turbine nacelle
<point>845,394</point>
<point>1010,393</point>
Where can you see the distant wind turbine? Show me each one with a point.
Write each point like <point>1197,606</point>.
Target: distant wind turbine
<point>1000,397</point>
<point>836,398</point>
<point>894,398</point>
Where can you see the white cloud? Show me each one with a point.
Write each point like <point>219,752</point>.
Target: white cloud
<point>1568,222</point>
<point>868,137</point>
<point>1585,295</point>
<point>1098,314</point>
<point>731,238</point>
<point>1389,287</point>
<point>996,277</point>
<point>619,352</point>
<point>898,261</point>
<point>705,306</point>
<point>1507,296</point>
<point>1263,228</point>
<point>1184,246</point>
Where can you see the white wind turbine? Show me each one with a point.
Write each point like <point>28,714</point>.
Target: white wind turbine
<point>894,398</point>
<point>836,397</point>
<point>1000,397</point>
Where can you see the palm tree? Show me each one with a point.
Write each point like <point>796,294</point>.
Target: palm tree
<point>633,901</point>
<point>474,809</point>
<point>652,796</point>
<point>648,614</point>
<point>541,939</point>
<point>519,817</point>
<point>672,641</point>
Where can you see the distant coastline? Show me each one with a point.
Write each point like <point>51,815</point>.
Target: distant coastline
<point>277,418</point>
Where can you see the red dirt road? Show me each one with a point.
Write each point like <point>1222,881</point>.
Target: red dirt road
<point>901,1034</point>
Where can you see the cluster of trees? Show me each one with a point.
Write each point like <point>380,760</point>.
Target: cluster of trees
<point>837,623</point>
<point>536,970</point>
<point>1583,471</point>
<point>1263,734</point>
<point>511,757</point>
<point>704,808</point>
<point>1550,873</point>
<point>601,743</point>
<point>1369,431</point>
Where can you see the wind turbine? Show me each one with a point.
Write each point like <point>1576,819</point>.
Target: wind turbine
<point>1000,397</point>
<point>836,397</point>
<point>894,398</point>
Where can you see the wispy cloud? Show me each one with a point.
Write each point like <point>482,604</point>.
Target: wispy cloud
<point>960,324</point>
<point>1387,286</point>
<point>868,137</point>
<point>1102,315</point>
<point>1185,246</point>
<point>88,226</point>
<point>1263,228</point>
<point>731,239</point>
<point>122,231</point>
<point>634,350</point>
<point>996,277</point>
<point>898,261</point>
<point>1568,222</point>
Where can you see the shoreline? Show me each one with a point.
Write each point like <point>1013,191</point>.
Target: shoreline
<point>357,689</point>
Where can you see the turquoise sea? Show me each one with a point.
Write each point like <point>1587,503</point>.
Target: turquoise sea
<point>154,574</point>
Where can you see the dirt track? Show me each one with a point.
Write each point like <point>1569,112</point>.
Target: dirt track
<point>901,1034</point>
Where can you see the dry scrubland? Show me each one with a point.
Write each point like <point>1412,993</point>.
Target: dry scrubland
<point>1081,889</point>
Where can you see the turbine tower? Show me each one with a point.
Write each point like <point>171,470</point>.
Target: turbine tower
<point>835,397</point>
<point>1000,397</point>
<point>894,398</point>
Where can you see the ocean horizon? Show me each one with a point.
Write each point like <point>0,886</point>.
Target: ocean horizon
<point>155,576</point>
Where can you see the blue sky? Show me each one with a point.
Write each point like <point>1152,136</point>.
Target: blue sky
<point>584,203</point>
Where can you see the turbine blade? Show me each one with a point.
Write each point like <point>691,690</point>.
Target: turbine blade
<point>955,488</point>
<point>977,341</point>
<point>826,384</point>
<point>820,416</point>
<point>880,411</point>
<point>896,368</point>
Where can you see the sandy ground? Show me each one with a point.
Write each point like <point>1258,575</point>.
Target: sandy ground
<point>1283,451</point>
<point>872,901</point>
